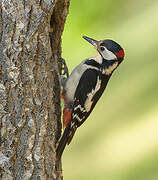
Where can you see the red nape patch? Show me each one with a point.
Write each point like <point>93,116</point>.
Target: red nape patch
<point>120,54</point>
<point>66,116</point>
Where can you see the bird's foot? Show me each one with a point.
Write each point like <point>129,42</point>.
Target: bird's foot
<point>63,67</point>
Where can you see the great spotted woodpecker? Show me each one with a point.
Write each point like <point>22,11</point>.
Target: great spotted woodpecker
<point>87,82</point>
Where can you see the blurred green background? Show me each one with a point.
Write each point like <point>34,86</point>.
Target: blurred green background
<point>119,141</point>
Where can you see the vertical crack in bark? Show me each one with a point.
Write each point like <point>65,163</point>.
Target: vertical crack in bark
<point>57,22</point>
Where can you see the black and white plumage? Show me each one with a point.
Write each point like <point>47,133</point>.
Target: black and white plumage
<point>84,87</point>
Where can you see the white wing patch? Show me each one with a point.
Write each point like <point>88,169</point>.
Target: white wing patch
<point>109,70</point>
<point>74,79</point>
<point>89,101</point>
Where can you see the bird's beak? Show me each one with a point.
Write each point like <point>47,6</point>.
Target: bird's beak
<point>92,41</point>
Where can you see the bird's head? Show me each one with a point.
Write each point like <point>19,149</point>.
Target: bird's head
<point>108,49</point>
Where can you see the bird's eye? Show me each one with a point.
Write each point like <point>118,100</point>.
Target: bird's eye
<point>102,48</point>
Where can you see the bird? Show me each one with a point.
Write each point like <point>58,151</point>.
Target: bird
<point>85,85</point>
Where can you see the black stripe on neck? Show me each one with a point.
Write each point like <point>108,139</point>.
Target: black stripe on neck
<point>93,63</point>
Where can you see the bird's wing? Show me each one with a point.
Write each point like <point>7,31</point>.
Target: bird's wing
<point>86,96</point>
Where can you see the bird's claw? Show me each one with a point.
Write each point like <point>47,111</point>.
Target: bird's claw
<point>64,69</point>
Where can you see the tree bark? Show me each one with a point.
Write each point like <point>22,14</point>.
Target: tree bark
<point>30,44</point>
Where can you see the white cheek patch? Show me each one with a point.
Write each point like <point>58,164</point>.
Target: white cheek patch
<point>109,70</point>
<point>89,101</point>
<point>108,55</point>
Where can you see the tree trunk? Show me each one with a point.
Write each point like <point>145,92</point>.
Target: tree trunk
<point>30,44</point>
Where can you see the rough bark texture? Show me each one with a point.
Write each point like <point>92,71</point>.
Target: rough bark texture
<point>30,42</point>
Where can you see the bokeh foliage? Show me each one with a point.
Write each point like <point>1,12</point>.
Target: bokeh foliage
<point>119,141</point>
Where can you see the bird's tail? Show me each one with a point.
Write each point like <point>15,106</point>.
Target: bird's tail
<point>62,142</point>
<point>65,139</point>
<point>71,134</point>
